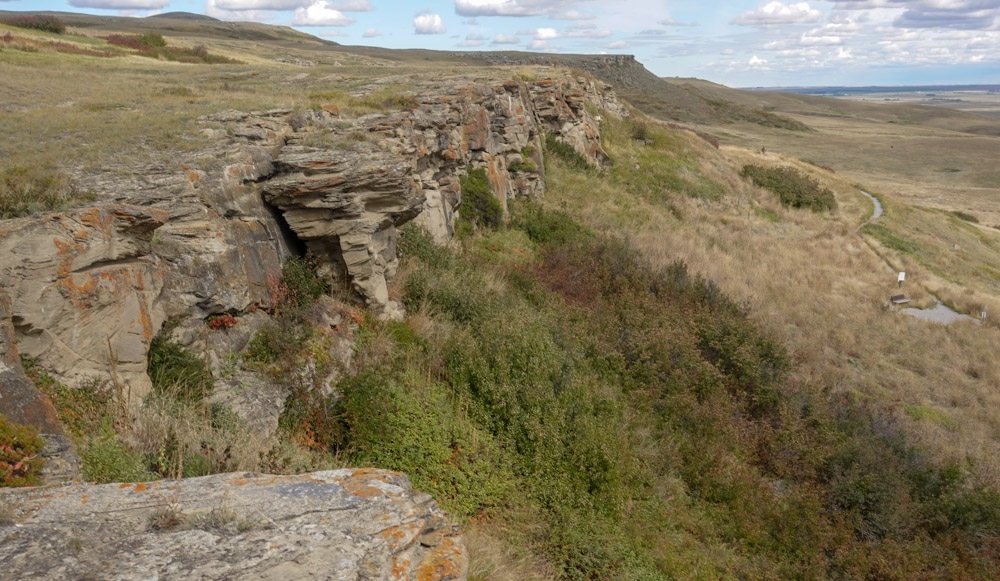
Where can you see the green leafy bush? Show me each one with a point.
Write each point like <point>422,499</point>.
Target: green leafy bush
<point>176,371</point>
<point>793,188</point>
<point>298,287</point>
<point>479,205</point>
<point>20,454</point>
<point>153,45</point>
<point>565,152</point>
<point>41,22</point>
<point>106,459</point>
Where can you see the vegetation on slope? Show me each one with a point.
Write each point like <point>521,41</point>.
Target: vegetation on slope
<point>792,187</point>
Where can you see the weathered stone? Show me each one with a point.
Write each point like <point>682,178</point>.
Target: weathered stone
<point>89,287</point>
<point>84,290</point>
<point>340,524</point>
<point>23,403</point>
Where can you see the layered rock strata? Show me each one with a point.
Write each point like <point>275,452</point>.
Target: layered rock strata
<point>90,287</point>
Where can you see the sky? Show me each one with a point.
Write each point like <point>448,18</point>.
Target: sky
<point>740,43</point>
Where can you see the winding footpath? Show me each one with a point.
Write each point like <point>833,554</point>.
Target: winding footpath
<point>940,313</point>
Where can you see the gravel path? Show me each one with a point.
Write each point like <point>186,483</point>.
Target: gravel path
<point>940,313</point>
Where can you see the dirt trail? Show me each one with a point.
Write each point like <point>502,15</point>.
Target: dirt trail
<point>940,313</point>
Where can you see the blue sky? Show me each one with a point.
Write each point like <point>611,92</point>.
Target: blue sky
<point>737,42</point>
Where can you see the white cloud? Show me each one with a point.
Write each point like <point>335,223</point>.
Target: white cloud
<point>352,5</point>
<point>429,24</point>
<point>574,15</point>
<point>472,40</point>
<point>512,7</point>
<point>618,44</point>
<point>244,6</point>
<point>546,34</point>
<point>320,14</point>
<point>120,4</point>
<point>215,11</point>
<point>754,60</point>
<point>538,44</point>
<point>776,13</point>
<point>506,39</point>
<point>371,33</point>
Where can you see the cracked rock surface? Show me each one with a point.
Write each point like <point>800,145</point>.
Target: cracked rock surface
<point>357,524</point>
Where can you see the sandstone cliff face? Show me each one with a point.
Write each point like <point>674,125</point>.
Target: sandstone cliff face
<point>90,287</point>
<point>340,524</point>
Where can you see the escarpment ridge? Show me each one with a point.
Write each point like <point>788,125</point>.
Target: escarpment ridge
<point>89,288</point>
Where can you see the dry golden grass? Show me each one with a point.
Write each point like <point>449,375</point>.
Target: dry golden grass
<point>813,282</point>
<point>492,557</point>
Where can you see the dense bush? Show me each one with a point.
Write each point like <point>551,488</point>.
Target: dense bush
<point>281,340</point>
<point>41,22</point>
<point>177,372</point>
<point>20,454</point>
<point>565,152</point>
<point>793,188</point>
<point>107,459</point>
<point>153,45</point>
<point>479,204</point>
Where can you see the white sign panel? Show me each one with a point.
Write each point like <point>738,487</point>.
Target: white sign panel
<point>902,276</point>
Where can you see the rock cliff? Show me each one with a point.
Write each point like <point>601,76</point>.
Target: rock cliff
<point>88,288</point>
<point>340,524</point>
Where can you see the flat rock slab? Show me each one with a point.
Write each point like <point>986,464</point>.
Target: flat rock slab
<point>340,524</point>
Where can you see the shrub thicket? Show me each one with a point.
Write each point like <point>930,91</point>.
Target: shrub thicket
<point>479,205</point>
<point>153,45</point>
<point>177,372</point>
<point>793,188</point>
<point>641,420</point>
<point>565,152</point>
<point>40,22</point>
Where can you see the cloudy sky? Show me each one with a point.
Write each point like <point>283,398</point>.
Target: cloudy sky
<point>735,42</point>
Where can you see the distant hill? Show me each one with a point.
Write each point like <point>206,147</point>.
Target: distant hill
<point>184,16</point>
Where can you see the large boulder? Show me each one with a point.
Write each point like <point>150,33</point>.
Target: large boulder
<point>340,524</point>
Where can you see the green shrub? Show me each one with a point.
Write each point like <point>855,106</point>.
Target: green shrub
<point>41,22</point>
<point>20,454</point>
<point>289,296</point>
<point>106,459</point>
<point>177,372</point>
<point>479,205</point>
<point>548,226</point>
<point>151,40</point>
<point>793,188</point>
<point>965,216</point>
<point>83,409</point>
<point>565,152</point>
<point>889,239</point>
<point>300,284</point>
<point>522,166</point>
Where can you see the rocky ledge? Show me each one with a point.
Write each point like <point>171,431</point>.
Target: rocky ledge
<point>340,524</point>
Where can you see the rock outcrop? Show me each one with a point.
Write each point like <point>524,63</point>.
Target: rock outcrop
<point>21,402</point>
<point>340,524</point>
<point>85,291</point>
<point>90,287</point>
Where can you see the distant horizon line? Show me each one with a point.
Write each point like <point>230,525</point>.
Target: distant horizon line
<point>915,87</point>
